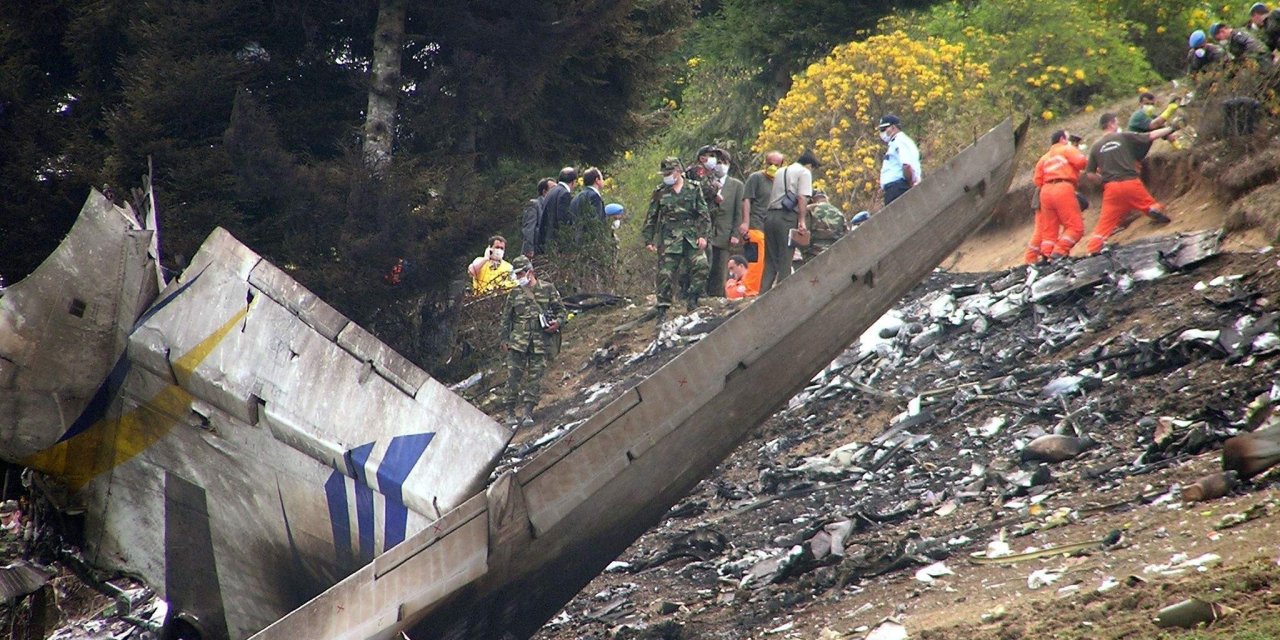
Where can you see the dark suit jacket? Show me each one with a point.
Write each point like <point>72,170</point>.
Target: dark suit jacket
<point>586,204</point>
<point>555,212</point>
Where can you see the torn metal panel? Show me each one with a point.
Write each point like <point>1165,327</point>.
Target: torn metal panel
<point>591,493</point>
<point>236,456</point>
<point>21,578</point>
<point>87,293</point>
<point>1145,259</point>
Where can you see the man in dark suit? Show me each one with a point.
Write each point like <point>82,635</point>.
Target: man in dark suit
<point>555,210</point>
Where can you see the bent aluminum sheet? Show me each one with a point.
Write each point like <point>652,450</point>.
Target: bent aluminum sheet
<point>63,327</point>
<point>251,445</point>
<point>506,561</point>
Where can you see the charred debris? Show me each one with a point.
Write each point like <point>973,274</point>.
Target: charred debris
<point>956,425</point>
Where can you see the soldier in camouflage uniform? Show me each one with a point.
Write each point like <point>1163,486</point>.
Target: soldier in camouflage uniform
<point>826,225</point>
<point>676,227</point>
<point>530,321</point>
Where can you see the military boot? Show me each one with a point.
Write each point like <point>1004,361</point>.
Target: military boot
<point>660,315</point>
<point>692,303</point>
<point>511,419</point>
<point>526,416</point>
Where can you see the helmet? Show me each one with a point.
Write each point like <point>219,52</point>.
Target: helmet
<point>613,209</point>
<point>1213,30</point>
<point>520,264</point>
<point>670,163</point>
<point>1196,40</point>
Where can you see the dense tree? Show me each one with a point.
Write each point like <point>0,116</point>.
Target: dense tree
<point>255,113</point>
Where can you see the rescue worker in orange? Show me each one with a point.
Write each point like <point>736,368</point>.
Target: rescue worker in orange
<point>1115,161</point>
<point>1056,176</point>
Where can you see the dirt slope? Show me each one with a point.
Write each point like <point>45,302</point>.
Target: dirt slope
<point>733,559</point>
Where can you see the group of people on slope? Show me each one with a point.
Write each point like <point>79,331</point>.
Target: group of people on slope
<point>1114,161</point>
<point>713,235</point>
<point>1257,39</point>
<point>716,235</point>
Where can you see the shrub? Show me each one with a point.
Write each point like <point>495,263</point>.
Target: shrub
<point>1043,54</point>
<point>834,106</point>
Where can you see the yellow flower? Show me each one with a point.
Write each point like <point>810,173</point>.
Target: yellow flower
<point>1047,115</point>
<point>1079,74</point>
<point>1160,29</point>
<point>1088,108</point>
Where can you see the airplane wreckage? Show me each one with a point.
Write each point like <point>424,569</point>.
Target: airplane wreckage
<point>274,471</point>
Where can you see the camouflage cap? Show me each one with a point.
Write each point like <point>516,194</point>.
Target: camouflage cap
<point>520,264</point>
<point>669,163</point>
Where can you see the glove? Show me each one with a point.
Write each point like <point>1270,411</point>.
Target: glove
<point>1168,111</point>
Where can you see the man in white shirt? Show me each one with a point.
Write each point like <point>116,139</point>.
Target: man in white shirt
<point>792,188</point>
<point>901,168</point>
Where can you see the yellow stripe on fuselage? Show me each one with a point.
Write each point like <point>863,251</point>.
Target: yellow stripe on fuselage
<point>114,440</point>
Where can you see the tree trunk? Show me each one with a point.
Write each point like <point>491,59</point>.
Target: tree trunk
<point>384,89</point>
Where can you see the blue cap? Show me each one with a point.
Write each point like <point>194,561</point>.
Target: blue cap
<point>613,209</point>
<point>1197,39</point>
<point>1213,30</point>
<point>1257,8</point>
<point>861,217</point>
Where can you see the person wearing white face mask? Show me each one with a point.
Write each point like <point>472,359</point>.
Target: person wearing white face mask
<point>901,168</point>
<point>726,218</point>
<point>491,273</point>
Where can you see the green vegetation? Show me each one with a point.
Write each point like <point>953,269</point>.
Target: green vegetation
<point>252,113</point>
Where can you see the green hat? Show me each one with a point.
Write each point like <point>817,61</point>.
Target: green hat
<point>520,264</point>
<point>670,163</point>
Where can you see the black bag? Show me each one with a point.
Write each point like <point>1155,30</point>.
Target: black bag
<point>789,200</point>
<point>1082,201</point>
<point>751,251</point>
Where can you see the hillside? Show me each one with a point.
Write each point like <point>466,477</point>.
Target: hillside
<point>910,453</point>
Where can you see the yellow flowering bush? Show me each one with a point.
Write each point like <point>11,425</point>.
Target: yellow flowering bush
<point>833,107</point>
<point>1043,54</point>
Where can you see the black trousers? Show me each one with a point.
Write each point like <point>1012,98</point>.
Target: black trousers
<point>895,189</point>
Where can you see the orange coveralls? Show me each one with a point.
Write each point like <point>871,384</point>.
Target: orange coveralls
<point>1122,203</point>
<point>755,270</point>
<point>1116,158</point>
<point>1056,175</point>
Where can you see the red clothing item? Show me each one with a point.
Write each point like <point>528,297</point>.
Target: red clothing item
<point>1122,203</point>
<point>1061,162</point>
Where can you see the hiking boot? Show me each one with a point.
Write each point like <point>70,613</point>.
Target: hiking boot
<point>1158,217</point>
<point>511,419</point>
<point>526,418</point>
<point>661,315</point>
<point>692,303</point>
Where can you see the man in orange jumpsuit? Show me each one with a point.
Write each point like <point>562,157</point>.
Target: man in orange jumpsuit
<point>1056,176</point>
<point>1115,159</point>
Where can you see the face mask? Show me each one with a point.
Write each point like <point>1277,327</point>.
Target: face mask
<point>523,281</point>
<point>496,254</point>
<point>669,180</point>
<point>711,162</point>
<point>770,171</point>
<point>1149,109</point>
<point>616,223</point>
<point>1199,53</point>
<point>722,170</point>
<point>884,136</point>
